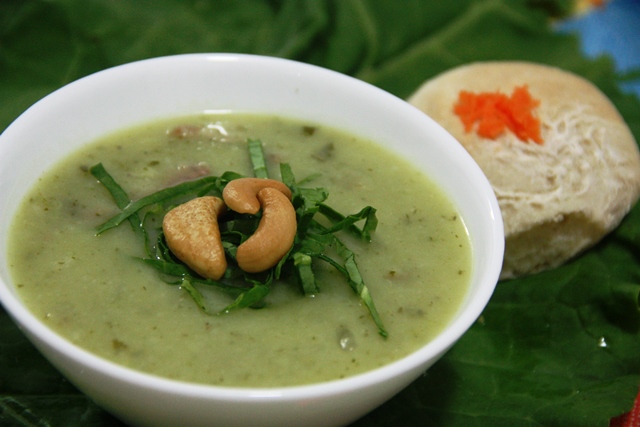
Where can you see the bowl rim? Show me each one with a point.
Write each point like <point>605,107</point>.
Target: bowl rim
<point>440,344</point>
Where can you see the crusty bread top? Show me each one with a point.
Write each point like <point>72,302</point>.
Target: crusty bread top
<point>585,174</point>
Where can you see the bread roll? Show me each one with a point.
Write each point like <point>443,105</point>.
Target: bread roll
<point>559,197</point>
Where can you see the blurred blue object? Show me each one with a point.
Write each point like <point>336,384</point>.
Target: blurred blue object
<point>613,29</point>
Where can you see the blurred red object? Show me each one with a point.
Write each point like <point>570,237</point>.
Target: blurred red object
<point>631,419</point>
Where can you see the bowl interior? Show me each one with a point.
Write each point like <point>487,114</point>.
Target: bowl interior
<point>164,87</point>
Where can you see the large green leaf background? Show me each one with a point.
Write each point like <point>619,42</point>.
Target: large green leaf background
<point>558,348</point>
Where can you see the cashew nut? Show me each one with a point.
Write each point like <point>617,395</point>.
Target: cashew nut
<point>274,235</point>
<point>241,194</point>
<point>192,233</point>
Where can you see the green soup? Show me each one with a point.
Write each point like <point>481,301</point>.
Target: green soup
<point>95,292</point>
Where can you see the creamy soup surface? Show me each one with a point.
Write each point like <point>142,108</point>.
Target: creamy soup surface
<point>94,291</point>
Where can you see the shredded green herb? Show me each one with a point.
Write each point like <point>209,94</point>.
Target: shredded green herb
<point>313,241</point>
<point>257,158</point>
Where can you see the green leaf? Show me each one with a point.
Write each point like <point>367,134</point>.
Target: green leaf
<point>257,158</point>
<point>286,175</point>
<point>315,244</point>
<point>250,298</point>
<point>534,358</point>
<point>357,284</point>
<point>195,294</point>
<point>119,195</point>
<point>167,267</point>
<point>302,263</point>
<point>341,222</point>
<point>161,196</point>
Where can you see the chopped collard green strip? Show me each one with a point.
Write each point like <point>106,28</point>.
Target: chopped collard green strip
<point>118,194</point>
<point>257,158</point>
<point>311,243</point>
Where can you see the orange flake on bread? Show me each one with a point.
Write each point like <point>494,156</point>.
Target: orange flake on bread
<point>495,112</point>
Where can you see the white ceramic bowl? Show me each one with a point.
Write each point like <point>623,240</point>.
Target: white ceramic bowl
<point>152,89</point>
